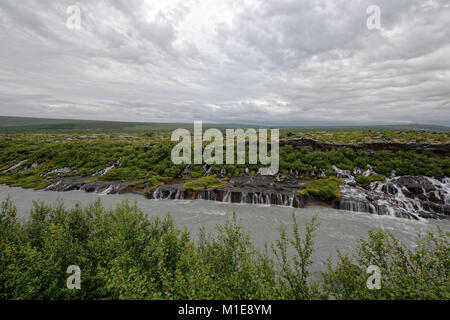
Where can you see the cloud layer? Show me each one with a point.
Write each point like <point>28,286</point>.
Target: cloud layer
<point>269,62</point>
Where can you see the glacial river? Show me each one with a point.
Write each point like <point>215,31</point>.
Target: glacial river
<point>337,229</point>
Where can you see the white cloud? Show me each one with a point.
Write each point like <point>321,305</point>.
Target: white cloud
<point>272,62</point>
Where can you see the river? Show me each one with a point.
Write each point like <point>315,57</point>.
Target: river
<point>338,229</point>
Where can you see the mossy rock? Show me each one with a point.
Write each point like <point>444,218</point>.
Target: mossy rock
<point>365,181</point>
<point>204,183</point>
<point>325,189</point>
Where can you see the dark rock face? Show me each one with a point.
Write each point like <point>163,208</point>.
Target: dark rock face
<point>248,189</point>
<point>437,149</point>
<point>404,197</point>
<point>416,185</point>
<point>79,183</point>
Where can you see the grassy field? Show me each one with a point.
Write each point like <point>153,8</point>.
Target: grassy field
<point>15,124</point>
<point>148,158</point>
<point>144,151</point>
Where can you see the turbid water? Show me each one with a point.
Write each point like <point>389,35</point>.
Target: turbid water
<point>338,229</point>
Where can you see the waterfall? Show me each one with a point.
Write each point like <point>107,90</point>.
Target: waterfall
<point>227,197</point>
<point>255,198</point>
<point>343,174</point>
<point>244,197</point>
<point>53,185</point>
<point>442,191</point>
<point>107,190</point>
<point>399,196</point>
<point>207,169</point>
<point>103,171</point>
<point>291,201</point>
<point>156,193</point>
<point>285,200</point>
<point>268,197</point>
<point>17,165</point>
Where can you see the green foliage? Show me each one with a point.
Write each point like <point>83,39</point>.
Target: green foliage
<point>295,271</point>
<point>405,163</point>
<point>204,183</point>
<point>355,135</point>
<point>421,273</point>
<point>124,254</point>
<point>365,181</point>
<point>24,180</point>
<point>151,183</point>
<point>324,189</point>
<point>131,173</point>
<point>15,124</point>
<point>143,157</point>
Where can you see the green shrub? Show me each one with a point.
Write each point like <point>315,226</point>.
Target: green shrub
<point>204,183</point>
<point>365,181</point>
<point>131,173</point>
<point>421,273</point>
<point>124,254</point>
<point>149,184</point>
<point>324,189</point>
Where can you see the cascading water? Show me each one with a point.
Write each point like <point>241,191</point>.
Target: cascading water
<point>107,190</point>
<point>227,197</point>
<point>345,175</point>
<point>244,197</point>
<point>156,194</point>
<point>405,196</point>
<point>14,167</point>
<point>400,196</point>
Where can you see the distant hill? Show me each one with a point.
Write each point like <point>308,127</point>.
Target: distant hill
<point>15,124</point>
<point>409,127</point>
<point>40,124</point>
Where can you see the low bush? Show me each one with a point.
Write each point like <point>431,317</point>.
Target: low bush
<point>204,183</point>
<point>365,181</point>
<point>124,254</point>
<point>131,173</point>
<point>325,189</point>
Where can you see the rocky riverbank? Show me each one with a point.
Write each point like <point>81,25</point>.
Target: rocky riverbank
<point>411,197</point>
<point>400,196</point>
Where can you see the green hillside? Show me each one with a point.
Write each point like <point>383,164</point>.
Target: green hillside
<point>14,124</point>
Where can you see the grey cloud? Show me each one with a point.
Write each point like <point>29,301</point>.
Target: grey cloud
<point>270,62</point>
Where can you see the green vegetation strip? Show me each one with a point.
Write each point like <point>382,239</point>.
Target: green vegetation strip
<point>325,189</point>
<point>204,183</point>
<point>365,181</point>
<point>143,156</point>
<point>124,254</point>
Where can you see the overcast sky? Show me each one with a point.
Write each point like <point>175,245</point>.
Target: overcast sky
<point>269,62</point>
